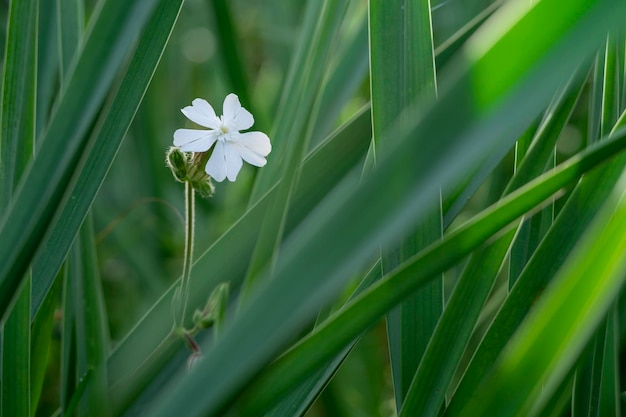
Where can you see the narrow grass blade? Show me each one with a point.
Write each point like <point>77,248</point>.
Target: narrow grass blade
<point>71,21</point>
<point>424,156</point>
<point>230,50</point>
<point>348,74</point>
<point>47,63</point>
<point>105,142</point>
<point>402,71</point>
<point>464,306</point>
<point>572,222</point>
<point>45,181</point>
<point>41,341</point>
<point>92,341</point>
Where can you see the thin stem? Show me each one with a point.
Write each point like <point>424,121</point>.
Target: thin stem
<point>189,236</point>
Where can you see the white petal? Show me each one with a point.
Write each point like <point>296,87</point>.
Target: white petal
<point>255,141</point>
<point>193,140</point>
<point>236,117</point>
<point>233,161</point>
<point>249,155</point>
<point>202,113</point>
<point>216,166</point>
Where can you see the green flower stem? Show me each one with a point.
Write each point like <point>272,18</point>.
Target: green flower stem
<point>183,297</point>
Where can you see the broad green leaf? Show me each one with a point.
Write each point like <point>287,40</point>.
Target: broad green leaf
<point>46,179</point>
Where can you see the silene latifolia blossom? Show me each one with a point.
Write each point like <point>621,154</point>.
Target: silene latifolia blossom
<point>223,142</point>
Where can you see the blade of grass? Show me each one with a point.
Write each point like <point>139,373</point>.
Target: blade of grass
<point>340,85</point>
<point>46,179</point>
<point>357,316</point>
<point>299,133</point>
<point>47,63</point>
<point>91,324</point>
<point>589,375</point>
<point>105,143</point>
<point>402,71</point>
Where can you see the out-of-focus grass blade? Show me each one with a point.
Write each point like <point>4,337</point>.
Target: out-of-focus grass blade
<point>71,21</point>
<point>402,71</point>
<point>348,74</point>
<point>16,383</point>
<point>299,130</point>
<point>610,403</point>
<point>47,63</point>
<point>298,402</point>
<point>70,384</point>
<point>45,181</point>
<point>92,341</point>
<point>105,142</point>
<point>230,50</point>
<point>590,369</point>
<point>491,101</point>
<point>324,167</point>
<point>463,309</point>
<point>290,101</point>
<point>553,336</point>
<point>357,316</point>
<point>17,145</point>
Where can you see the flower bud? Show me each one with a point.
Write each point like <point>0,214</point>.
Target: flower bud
<point>178,163</point>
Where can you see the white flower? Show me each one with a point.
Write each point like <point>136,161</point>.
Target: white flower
<point>231,146</point>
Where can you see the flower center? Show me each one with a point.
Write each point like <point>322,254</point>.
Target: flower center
<point>224,129</point>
